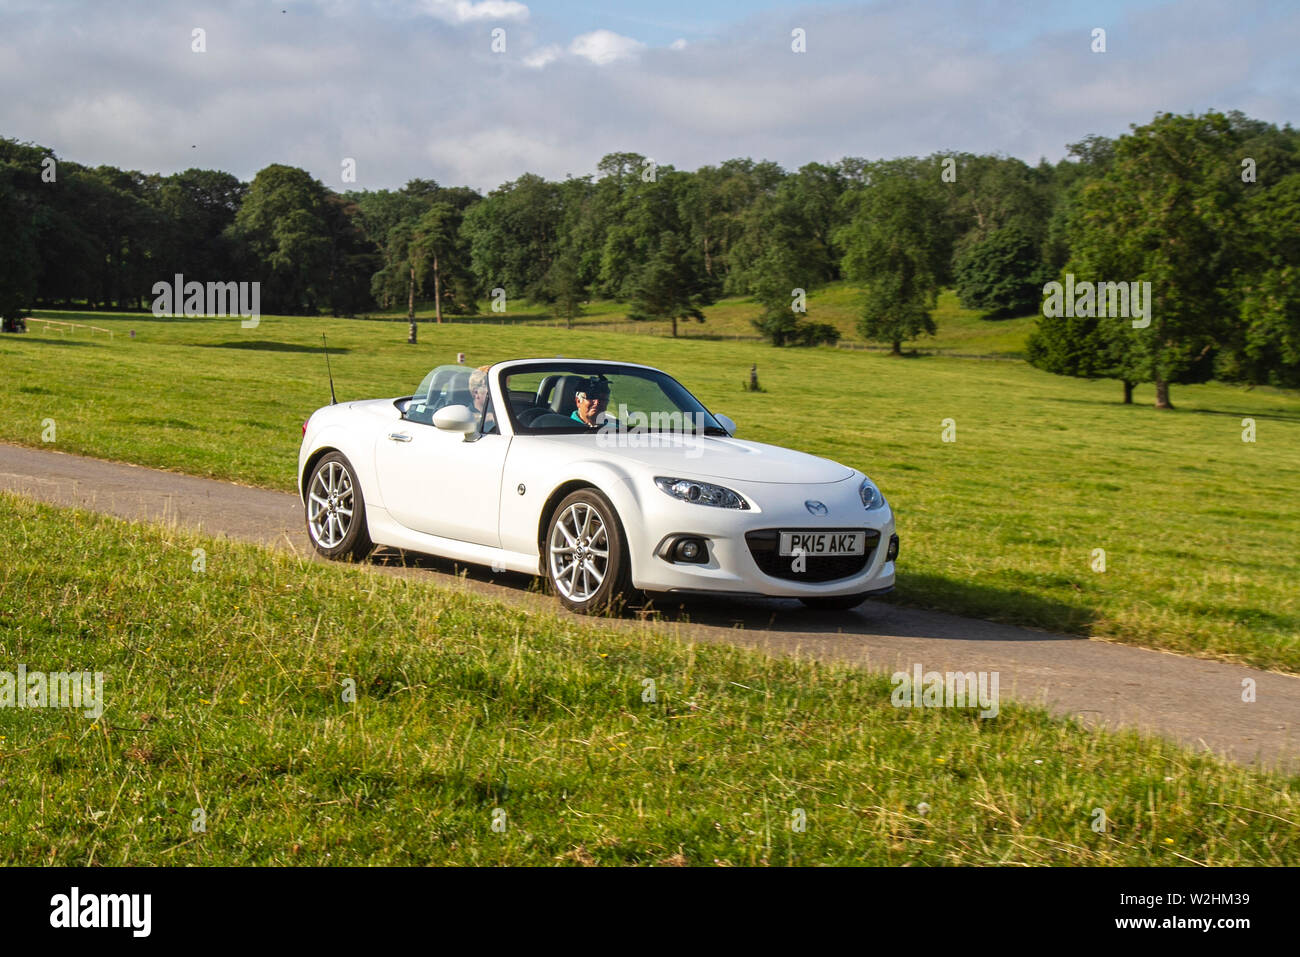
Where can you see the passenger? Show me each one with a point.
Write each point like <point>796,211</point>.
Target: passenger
<point>478,388</point>
<point>592,398</point>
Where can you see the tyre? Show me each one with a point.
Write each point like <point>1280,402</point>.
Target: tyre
<point>586,556</point>
<point>336,510</point>
<point>837,603</point>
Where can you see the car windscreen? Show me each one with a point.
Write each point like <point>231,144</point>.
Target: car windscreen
<point>443,386</point>
<point>632,398</point>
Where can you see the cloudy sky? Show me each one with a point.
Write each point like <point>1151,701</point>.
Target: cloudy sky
<point>415,88</point>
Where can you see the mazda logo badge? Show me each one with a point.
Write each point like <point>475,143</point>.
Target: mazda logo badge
<point>816,508</point>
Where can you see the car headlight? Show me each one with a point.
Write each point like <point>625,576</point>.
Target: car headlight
<point>871,497</point>
<point>701,493</point>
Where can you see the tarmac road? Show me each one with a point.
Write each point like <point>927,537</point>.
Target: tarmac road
<point>1195,702</point>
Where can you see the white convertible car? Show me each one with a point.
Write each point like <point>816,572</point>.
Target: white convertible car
<point>607,478</point>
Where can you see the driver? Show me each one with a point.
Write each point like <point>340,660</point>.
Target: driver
<point>592,399</point>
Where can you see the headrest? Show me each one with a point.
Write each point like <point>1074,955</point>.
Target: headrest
<point>565,388</point>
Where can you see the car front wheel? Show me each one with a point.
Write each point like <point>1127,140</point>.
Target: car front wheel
<point>336,510</point>
<point>586,554</point>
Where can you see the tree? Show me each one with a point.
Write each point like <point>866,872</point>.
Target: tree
<point>353,258</point>
<point>714,207</point>
<point>993,192</point>
<point>647,210</point>
<point>394,277</point>
<point>126,226</point>
<point>1264,345</point>
<point>1001,273</point>
<point>381,210</point>
<point>19,261</point>
<point>284,240</point>
<point>1085,347</point>
<point>792,224</point>
<point>668,286</point>
<point>427,256</point>
<point>897,308</point>
<point>512,236</point>
<point>196,207</point>
<point>434,247</point>
<point>399,270</point>
<point>776,290</point>
<point>565,283</point>
<point>1165,212</point>
<point>897,243</point>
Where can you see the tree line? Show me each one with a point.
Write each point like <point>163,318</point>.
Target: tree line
<point>1205,208</point>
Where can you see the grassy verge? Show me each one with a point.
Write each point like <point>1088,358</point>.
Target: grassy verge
<point>224,691</point>
<point>1198,528</point>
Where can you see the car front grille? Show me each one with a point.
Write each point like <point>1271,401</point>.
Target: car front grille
<point>766,542</point>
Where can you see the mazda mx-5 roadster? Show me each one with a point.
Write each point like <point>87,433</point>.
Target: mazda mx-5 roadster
<point>608,479</point>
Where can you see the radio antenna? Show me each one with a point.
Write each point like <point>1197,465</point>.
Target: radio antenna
<point>333,401</point>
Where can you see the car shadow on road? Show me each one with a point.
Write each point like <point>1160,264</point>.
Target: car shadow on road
<point>873,617</point>
<point>885,616</point>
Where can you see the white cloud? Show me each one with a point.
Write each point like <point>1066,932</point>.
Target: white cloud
<point>539,59</point>
<point>466,11</point>
<point>410,96</point>
<point>490,157</point>
<point>605,46</point>
<point>678,44</point>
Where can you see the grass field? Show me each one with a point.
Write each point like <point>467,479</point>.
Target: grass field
<point>224,693</point>
<point>1199,528</point>
<point>960,331</point>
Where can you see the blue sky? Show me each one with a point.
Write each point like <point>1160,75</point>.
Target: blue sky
<point>414,88</point>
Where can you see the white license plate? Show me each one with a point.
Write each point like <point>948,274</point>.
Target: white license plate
<point>823,543</point>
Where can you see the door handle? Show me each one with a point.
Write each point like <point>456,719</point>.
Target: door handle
<point>399,436</point>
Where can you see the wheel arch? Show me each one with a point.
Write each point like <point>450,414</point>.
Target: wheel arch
<point>558,495</point>
<point>309,465</point>
<point>609,483</point>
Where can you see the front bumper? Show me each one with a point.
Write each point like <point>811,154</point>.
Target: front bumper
<point>741,557</point>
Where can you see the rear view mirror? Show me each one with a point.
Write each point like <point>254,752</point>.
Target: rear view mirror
<point>726,423</point>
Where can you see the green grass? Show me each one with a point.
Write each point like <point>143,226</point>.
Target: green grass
<point>960,331</point>
<point>1198,527</point>
<point>224,691</point>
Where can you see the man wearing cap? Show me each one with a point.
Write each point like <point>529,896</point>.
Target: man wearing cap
<point>592,398</point>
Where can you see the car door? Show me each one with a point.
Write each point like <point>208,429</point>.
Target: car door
<point>437,482</point>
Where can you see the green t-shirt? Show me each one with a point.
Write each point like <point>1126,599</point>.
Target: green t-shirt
<point>609,420</point>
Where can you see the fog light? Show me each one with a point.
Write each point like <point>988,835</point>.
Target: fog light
<point>693,551</point>
<point>893,548</point>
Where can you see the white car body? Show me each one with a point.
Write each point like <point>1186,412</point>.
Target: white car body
<point>486,500</point>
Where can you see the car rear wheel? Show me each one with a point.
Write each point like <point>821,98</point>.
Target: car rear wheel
<point>586,554</point>
<point>336,510</point>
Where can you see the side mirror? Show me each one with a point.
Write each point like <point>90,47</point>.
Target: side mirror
<point>455,418</point>
<point>726,423</point>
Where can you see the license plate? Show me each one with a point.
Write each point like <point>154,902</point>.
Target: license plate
<point>823,543</point>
